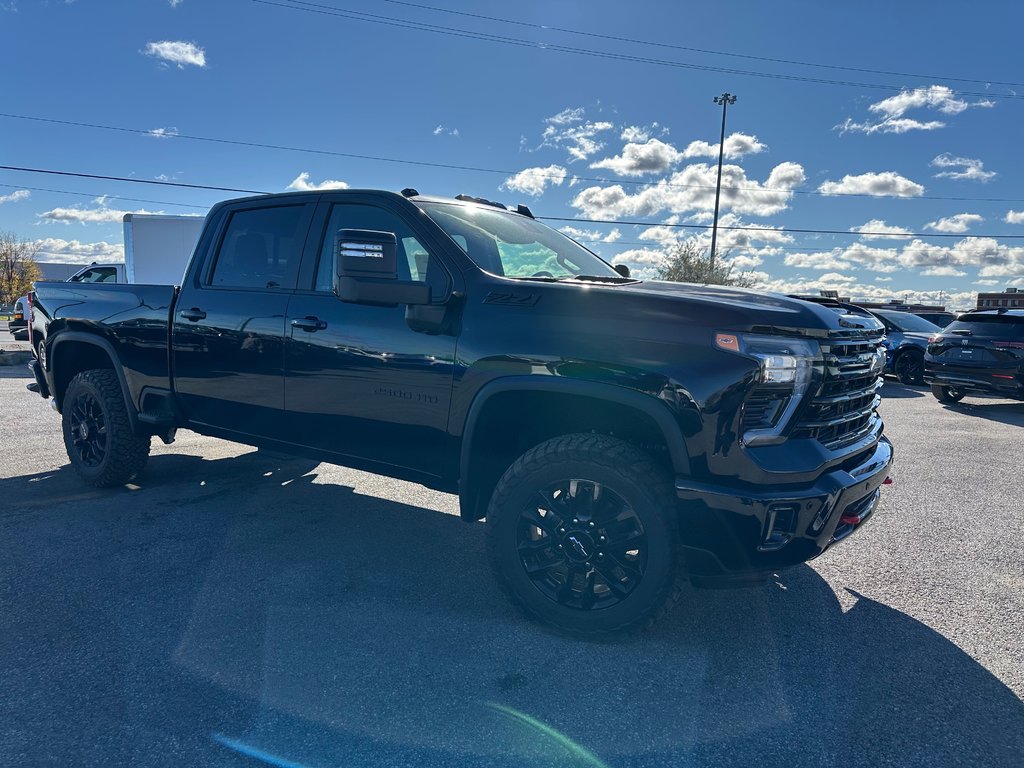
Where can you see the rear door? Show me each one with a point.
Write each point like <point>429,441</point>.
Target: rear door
<point>229,324</point>
<point>360,382</point>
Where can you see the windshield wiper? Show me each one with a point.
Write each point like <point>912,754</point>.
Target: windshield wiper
<point>604,279</point>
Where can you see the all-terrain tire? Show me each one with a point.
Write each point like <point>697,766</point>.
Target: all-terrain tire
<point>632,477</point>
<point>946,394</point>
<point>97,432</point>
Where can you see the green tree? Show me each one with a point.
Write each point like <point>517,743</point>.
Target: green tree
<point>18,267</point>
<point>687,262</point>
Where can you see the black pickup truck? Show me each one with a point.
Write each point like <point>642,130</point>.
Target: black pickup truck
<point>619,435</point>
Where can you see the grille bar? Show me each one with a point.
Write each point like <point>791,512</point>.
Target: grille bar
<point>843,411</point>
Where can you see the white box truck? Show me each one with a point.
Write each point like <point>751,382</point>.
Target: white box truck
<point>157,248</point>
<point>156,251</point>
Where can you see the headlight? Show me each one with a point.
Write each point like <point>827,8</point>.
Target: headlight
<point>785,375</point>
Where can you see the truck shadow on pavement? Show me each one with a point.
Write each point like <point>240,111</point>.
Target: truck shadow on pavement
<point>240,612</point>
<point>1003,411</point>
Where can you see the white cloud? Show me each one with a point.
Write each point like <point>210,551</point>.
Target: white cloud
<point>591,235</point>
<point>823,260</point>
<point>102,215</point>
<point>957,224</point>
<point>174,3</point>
<point>987,281</point>
<point>53,249</point>
<point>571,131</point>
<point>891,111</point>
<point>864,292</point>
<point>885,231</point>
<point>177,52</point>
<point>635,134</point>
<point>164,133</point>
<point>1014,217</point>
<point>693,189</point>
<point>13,197</point>
<point>654,156</point>
<point>440,129</point>
<point>883,279</point>
<point>884,184</point>
<point>533,181</point>
<point>736,145</point>
<point>973,170</point>
<point>301,183</point>
<point>901,125</point>
<point>943,272</point>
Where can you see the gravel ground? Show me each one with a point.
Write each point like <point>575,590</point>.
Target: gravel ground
<point>236,609</point>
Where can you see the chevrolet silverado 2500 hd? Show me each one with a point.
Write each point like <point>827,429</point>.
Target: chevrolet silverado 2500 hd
<point>618,435</point>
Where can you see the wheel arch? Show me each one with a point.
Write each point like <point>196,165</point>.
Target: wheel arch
<point>510,415</point>
<point>71,352</point>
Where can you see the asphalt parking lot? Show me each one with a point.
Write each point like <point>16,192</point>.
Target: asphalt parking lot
<point>236,609</point>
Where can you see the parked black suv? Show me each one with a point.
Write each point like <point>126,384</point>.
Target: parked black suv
<point>980,353</point>
<point>618,435</point>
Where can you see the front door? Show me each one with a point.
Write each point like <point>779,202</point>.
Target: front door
<point>229,325</point>
<point>360,382</point>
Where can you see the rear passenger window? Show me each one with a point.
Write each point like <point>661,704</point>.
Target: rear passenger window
<point>261,249</point>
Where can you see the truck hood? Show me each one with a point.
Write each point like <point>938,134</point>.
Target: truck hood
<point>746,309</point>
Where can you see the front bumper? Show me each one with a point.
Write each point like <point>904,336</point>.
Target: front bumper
<point>732,532</point>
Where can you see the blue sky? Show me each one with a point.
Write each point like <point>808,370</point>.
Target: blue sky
<point>612,138</point>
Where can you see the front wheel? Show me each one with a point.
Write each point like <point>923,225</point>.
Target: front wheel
<point>909,368</point>
<point>98,436</point>
<point>946,394</point>
<point>582,535</point>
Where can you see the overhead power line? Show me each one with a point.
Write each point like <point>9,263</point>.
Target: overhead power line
<point>787,230</point>
<point>474,168</point>
<point>619,222</point>
<point>690,49</point>
<point>330,10</point>
<point>94,196</point>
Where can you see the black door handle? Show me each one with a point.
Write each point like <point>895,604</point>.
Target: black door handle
<point>310,324</point>
<point>195,314</point>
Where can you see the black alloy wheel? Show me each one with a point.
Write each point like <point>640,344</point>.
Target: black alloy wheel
<point>909,367</point>
<point>88,425</point>
<point>582,545</point>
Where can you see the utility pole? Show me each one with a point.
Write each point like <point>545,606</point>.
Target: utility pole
<point>725,100</point>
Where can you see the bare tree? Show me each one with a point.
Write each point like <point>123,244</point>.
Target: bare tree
<point>18,267</point>
<point>687,262</point>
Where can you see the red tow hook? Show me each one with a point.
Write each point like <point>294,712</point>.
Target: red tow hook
<point>887,481</point>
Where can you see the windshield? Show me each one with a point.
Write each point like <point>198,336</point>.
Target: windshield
<point>905,321</point>
<point>515,246</point>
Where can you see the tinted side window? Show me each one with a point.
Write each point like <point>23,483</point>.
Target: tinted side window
<point>414,261</point>
<point>261,248</point>
<point>98,275</point>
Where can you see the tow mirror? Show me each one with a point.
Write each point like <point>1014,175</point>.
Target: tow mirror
<point>366,270</point>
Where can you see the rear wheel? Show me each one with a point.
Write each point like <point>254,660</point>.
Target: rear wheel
<point>946,394</point>
<point>909,367</point>
<point>98,436</point>
<point>582,535</point>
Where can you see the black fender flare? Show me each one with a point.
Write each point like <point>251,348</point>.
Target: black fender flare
<point>656,409</point>
<point>61,337</point>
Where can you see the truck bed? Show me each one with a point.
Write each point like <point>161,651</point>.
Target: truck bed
<point>133,319</point>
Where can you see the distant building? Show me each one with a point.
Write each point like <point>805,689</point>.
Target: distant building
<point>1011,297</point>
<point>901,306</point>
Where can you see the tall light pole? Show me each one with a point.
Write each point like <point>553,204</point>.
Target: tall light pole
<point>725,100</point>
